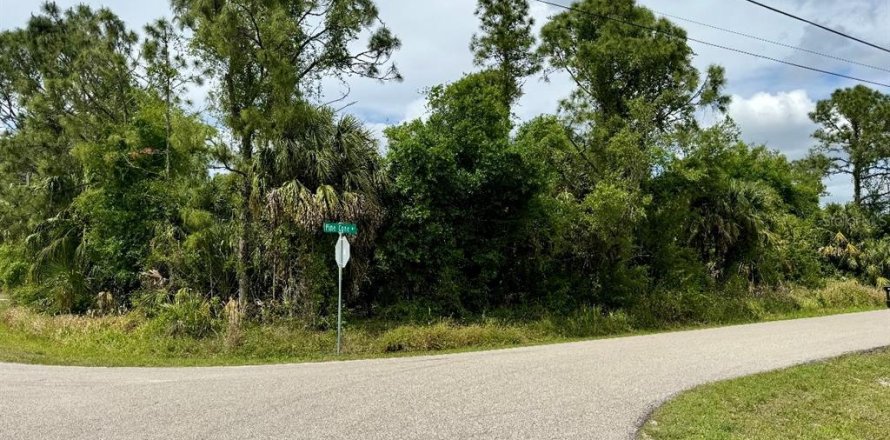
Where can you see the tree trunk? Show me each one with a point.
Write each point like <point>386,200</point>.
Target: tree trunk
<point>509,84</point>
<point>246,152</point>
<point>168,101</point>
<point>246,219</point>
<point>856,156</point>
<point>169,128</point>
<point>857,185</point>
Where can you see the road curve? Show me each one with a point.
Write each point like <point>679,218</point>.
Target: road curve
<point>586,390</point>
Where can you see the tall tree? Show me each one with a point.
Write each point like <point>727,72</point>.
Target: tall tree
<point>64,80</point>
<point>267,56</point>
<point>636,87</point>
<point>621,56</point>
<point>85,154</point>
<point>854,139</point>
<point>506,43</point>
<point>328,167</point>
<point>167,72</point>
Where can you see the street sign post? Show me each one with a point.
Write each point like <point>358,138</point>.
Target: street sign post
<point>340,228</point>
<point>341,256</point>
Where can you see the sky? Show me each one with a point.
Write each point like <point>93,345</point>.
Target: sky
<point>770,101</point>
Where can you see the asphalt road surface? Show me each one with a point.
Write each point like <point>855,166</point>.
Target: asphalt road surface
<point>588,390</point>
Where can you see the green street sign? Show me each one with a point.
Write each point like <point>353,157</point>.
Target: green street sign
<point>340,228</point>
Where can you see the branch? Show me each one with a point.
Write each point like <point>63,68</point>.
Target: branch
<point>306,43</point>
<point>581,152</point>
<point>226,167</point>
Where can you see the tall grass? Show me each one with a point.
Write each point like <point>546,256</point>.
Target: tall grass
<point>194,331</point>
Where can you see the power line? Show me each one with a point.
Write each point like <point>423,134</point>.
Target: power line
<point>787,14</point>
<point>777,43</point>
<point>789,63</point>
<point>719,46</point>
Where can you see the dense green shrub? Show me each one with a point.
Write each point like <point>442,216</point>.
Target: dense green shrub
<point>460,197</point>
<point>13,268</point>
<point>190,314</point>
<point>150,302</point>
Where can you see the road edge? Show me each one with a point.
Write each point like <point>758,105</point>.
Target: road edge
<point>652,408</point>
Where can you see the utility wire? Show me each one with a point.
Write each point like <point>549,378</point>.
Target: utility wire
<point>787,14</point>
<point>777,43</point>
<point>719,46</point>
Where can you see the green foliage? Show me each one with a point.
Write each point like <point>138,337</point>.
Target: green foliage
<point>269,59</point>
<point>854,243</point>
<point>618,66</point>
<point>89,144</point>
<point>506,44</point>
<point>324,168</point>
<point>13,269</point>
<point>189,315</point>
<point>853,135</point>
<point>132,340</point>
<point>740,210</point>
<point>107,228</point>
<point>601,237</point>
<point>460,194</point>
<point>150,302</point>
<point>196,249</point>
<point>620,212</point>
<point>65,81</point>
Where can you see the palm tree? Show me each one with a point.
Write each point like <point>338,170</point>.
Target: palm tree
<point>60,264</point>
<point>331,170</point>
<point>322,168</point>
<point>731,222</point>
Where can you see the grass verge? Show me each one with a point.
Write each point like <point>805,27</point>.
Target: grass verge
<point>170,339</point>
<point>845,398</point>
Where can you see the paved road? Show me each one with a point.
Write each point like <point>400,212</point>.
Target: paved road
<point>588,390</point>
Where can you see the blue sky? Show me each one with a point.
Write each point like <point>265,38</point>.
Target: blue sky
<point>770,101</point>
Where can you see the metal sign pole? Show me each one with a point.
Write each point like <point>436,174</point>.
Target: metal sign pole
<point>339,299</point>
<point>341,255</point>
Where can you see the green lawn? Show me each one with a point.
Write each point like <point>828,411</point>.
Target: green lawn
<point>845,398</point>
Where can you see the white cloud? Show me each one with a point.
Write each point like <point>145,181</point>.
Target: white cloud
<point>781,122</point>
<point>866,19</point>
<point>377,130</point>
<point>778,120</point>
<point>416,109</point>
